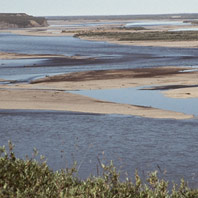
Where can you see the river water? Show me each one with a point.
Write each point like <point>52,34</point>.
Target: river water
<point>63,137</point>
<point>131,142</point>
<point>109,56</point>
<point>142,97</point>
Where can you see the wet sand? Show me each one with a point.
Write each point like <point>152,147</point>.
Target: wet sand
<point>179,44</point>
<point>49,93</point>
<point>6,56</point>
<point>61,101</point>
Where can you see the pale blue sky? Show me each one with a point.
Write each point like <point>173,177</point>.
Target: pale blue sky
<point>98,7</point>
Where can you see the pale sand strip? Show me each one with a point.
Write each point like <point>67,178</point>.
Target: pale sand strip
<point>179,44</point>
<point>6,55</point>
<point>182,93</point>
<point>20,96</point>
<point>56,100</point>
<point>114,79</point>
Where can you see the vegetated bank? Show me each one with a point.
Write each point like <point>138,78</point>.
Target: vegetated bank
<point>20,20</point>
<point>33,178</point>
<point>141,36</point>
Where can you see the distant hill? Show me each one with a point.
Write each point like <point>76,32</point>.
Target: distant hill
<point>20,20</point>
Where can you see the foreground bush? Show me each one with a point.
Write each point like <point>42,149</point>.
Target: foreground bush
<point>31,178</point>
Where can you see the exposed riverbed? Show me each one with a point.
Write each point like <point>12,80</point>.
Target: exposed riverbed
<point>131,142</point>
<point>105,55</point>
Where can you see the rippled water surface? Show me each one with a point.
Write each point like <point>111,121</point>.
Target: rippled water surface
<point>132,142</point>
<point>109,56</point>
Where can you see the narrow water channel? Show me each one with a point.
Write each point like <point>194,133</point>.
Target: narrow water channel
<point>149,98</point>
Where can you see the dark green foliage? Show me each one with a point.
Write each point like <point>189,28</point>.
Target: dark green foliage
<point>32,179</point>
<point>144,36</point>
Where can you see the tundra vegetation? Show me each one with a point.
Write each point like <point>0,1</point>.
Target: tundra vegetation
<point>142,36</point>
<point>30,178</point>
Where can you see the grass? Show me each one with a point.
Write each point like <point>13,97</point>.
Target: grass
<point>31,178</point>
<point>143,36</point>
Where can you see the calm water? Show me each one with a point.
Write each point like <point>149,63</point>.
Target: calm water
<point>151,98</point>
<point>93,24</point>
<point>155,23</point>
<point>185,29</point>
<point>132,142</point>
<point>110,56</point>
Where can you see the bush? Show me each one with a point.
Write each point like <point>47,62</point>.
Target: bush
<point>31,178</point>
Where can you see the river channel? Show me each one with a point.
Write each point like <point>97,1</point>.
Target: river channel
<point>166,145</point>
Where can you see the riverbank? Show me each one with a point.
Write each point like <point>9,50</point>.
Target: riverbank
<point>114,31</point>
<point>156,38</point>
<point>66,182</point>
<point>60,32</point>
<point>50,93</point>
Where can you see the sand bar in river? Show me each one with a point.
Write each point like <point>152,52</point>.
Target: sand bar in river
<point>49,93</point>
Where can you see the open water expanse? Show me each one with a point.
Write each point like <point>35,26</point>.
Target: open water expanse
<point>63,137</point>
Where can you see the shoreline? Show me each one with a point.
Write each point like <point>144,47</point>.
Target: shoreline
<point>155,43</point>
<point>37,94</point>
<point>51,93</point>
<point>63,31</point>
<point>61,101</point>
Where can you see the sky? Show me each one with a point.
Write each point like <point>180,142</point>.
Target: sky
<point>97,7</point>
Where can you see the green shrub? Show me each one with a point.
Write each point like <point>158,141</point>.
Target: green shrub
<point>143,36</point>
<point>32,178</point>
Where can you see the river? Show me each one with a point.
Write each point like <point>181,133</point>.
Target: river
<point>131,142</point>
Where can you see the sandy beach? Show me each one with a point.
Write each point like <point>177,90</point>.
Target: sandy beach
<point>50,93</point>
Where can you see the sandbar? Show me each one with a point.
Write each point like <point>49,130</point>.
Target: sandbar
<point>7,55</point>
<point>62,30</point>
<point>50,93</point>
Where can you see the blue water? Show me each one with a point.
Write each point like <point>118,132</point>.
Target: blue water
<point>149,98</point>
<point>110,56</point>
<point>131,142</point>
<point>155,23</point>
